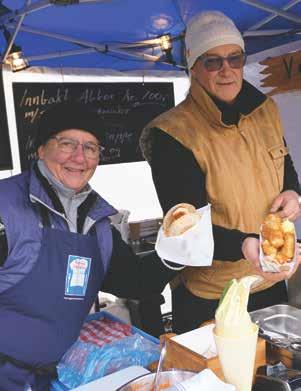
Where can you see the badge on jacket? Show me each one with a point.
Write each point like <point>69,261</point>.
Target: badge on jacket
<point>77,276</point>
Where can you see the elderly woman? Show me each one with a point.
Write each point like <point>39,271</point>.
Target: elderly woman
<point>224,145</point>
<point>58,250</point>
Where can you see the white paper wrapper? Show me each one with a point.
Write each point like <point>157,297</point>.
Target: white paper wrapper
<point>194,247</point>
<point>269,265</point>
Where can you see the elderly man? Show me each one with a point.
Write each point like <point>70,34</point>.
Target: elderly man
<point>224,145</point>
<point>58,250</point>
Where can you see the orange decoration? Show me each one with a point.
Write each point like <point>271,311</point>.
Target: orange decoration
<point>283,73</point>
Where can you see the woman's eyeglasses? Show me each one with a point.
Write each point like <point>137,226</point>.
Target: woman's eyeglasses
<point>215,63</point>
<point>70,145</point>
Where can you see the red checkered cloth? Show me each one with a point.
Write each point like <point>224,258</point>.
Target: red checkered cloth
<point>103,331</point>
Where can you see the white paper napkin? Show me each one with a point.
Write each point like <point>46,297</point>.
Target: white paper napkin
<point>194,247</point>
<point>205,381</point>
<point>200,340</point>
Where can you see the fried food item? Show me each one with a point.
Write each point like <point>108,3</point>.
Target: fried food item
<point>288,249</point>
<point>273,218</point>
<point>273,222</point>
<point>272,230</point>
<point>281,258</point>
<point>268,249</point>
<point>278,239</point>
<point>179,219</point>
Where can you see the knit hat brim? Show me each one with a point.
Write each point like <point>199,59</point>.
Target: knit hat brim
<point>70,115</point>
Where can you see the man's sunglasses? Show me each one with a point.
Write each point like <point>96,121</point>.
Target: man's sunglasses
<point>215,63</point>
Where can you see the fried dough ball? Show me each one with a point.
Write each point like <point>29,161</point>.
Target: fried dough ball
<point>268,249</point>
<point>273,218</point>
<point>273,222</point>
<point>281,258</point>
<point>288,249</point>
<point>275,237</point>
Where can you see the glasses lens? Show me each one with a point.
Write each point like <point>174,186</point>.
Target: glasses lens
<point>91,150</point>
<point>67,144</point>
<point>213,63</point>
<point>237,60</point>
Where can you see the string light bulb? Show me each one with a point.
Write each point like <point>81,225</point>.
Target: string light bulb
<point>16,61</point>
<point>166,47</point>
<point>165,42</point>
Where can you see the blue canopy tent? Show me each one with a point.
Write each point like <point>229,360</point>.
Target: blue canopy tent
<point>127,34</point>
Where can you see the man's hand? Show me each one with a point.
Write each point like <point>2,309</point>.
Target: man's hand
<point>287,203</point>
<point>250,249</point>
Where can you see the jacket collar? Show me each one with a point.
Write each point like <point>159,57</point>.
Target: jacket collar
<point>41,191</point>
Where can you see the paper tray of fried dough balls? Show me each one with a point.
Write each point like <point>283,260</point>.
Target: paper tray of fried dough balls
<point>277,244</point>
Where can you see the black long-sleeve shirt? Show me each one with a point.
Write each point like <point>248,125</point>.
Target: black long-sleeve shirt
<point>129,276</point>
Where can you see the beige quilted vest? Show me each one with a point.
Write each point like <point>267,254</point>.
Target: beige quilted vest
<point>244,167</point>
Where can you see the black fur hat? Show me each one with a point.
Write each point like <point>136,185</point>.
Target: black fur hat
<point>69,115</point>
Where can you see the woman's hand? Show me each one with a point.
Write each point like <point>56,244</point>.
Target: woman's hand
<point>250,249</point>
<point>287,204</point>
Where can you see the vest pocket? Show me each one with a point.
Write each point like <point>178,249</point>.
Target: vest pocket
<point>277,154</point>
<point>278,151</point>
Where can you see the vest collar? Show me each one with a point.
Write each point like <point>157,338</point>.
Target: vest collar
<point>204,104</point>
<point>219,113</point>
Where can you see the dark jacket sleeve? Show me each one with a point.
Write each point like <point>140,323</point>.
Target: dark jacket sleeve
<point>178,178</point>
<point>290,181</point>
<point>130,276</point>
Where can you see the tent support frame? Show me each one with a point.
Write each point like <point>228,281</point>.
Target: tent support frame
<point>277,11</point>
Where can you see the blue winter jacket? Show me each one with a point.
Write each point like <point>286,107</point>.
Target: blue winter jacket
<point>21,199</point>
<point>126,275</point>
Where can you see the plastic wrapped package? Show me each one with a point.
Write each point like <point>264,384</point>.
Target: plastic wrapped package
<point>85,362</point>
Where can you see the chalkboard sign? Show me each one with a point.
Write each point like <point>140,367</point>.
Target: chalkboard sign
<point>123,108</point>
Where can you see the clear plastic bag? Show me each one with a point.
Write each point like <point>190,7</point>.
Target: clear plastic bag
<point>85,362</point>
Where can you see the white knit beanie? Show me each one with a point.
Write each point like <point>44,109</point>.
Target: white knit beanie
<point>207,30</point>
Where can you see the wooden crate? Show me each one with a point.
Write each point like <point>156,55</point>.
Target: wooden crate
<point>179,356</point>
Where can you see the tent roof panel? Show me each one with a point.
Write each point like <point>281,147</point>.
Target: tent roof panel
<point>114,23</point>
